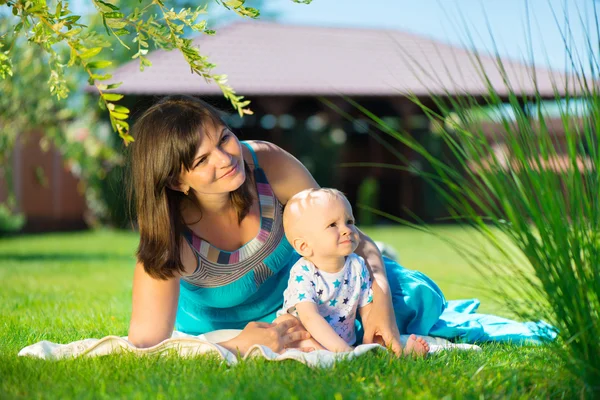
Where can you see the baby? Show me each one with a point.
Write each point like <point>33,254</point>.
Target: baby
<point>330,283</point>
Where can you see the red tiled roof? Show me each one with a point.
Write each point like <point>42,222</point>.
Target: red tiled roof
<point>262,58</point>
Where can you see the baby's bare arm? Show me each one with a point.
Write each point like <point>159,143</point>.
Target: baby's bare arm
<point>319,329</point>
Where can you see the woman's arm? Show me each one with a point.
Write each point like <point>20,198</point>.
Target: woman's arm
<point>380,324</point>
<point>154,307</point>
<point>319,329</point>
<point>368,250</point>
<point>287,176</point>
<point>364,311</point>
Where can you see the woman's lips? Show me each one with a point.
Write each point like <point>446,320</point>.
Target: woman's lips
<point>231,172</point>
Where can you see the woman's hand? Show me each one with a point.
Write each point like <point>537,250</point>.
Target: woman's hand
<point>380,327</point>
<point>277,336</point>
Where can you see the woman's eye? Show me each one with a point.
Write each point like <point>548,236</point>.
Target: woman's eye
<point>225,138</point>
<point>200,161</point>
<point>350,222</point>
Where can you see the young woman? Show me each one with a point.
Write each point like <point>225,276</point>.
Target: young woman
<point>212,252</point>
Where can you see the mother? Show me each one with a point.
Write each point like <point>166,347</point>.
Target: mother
<point>212,252</point>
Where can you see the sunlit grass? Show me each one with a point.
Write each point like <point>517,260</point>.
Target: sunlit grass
<point>66,287</point>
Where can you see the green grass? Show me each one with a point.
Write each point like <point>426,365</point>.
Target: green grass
<point>66,287</point>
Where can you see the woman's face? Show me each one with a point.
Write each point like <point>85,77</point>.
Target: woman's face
<point>218,165</point>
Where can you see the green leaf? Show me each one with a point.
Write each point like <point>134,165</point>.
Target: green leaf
<point>101,77</point>
<point>114,15</point>
<point>72,19</point>
<point>114,85</point>
<point>121,32</point>
<point>122,123</point>
<point>90,53</point>
<point>72,32</point>
<point>127,138</point>
<point>107,5</point>
<point>116,24</point>
<point>120,116</point>
<point>234,3</point>
<point>112,96</point>
<point>121,109</point>
<point>99,64</point>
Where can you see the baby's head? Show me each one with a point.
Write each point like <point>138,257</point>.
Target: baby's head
<point>320,223</point>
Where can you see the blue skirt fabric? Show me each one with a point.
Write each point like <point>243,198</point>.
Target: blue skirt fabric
<point>419,305</point>
<point>422,309</point>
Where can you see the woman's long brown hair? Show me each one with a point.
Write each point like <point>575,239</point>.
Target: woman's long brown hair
<point>167,137</point>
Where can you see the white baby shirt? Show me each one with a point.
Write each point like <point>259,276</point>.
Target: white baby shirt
<point>338,296</point>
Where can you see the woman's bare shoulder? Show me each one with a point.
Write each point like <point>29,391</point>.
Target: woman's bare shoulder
<point>285,173</point>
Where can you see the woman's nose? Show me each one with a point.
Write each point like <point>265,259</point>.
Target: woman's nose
<point>223,158</point>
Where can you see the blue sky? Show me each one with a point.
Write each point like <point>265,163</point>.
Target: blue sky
<point>450,20</point>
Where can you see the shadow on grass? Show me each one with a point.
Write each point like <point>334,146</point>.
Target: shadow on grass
<point>66,257</point>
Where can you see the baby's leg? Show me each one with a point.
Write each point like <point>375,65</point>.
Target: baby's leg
<point>308,345</point>
<point>416,347</point>
<point>305,344</point>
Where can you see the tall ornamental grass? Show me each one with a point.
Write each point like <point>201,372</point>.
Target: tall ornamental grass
<point>531,193</point>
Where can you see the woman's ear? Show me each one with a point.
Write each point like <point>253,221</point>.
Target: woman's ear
<point>302,247</point>
<point>178,187</point>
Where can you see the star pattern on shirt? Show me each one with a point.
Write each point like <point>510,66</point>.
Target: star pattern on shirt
<point>336,298</point>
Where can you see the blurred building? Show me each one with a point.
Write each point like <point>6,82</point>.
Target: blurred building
<point>300,78</point>
<point>291,73</point>
<point>44,190</point>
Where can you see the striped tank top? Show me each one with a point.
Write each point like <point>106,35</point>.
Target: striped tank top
<point>229,289</point>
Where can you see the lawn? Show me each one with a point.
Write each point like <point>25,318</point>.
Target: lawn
<point>66,287</point>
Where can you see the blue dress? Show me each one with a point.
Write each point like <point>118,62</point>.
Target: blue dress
<point>229,289</point>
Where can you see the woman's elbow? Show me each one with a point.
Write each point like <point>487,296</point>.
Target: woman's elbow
<point>142,340</point>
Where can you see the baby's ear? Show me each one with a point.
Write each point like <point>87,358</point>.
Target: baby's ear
<point>302,247</point>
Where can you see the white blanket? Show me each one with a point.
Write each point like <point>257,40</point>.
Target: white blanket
<point>188,345</point>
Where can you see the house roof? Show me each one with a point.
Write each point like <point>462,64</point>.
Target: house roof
<point>262,58</point>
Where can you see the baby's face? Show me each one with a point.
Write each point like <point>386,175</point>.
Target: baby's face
<point>328,226</point>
